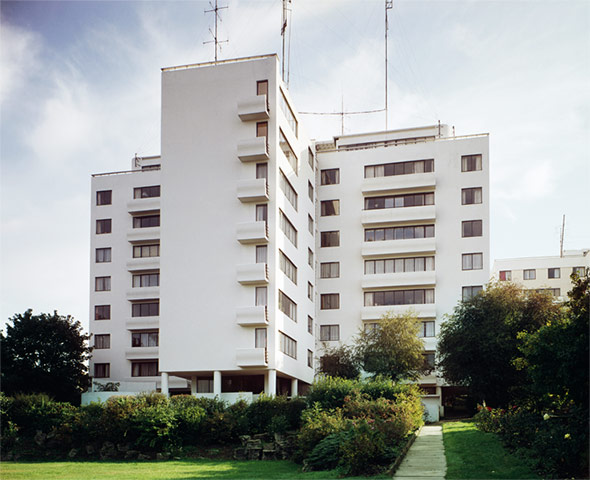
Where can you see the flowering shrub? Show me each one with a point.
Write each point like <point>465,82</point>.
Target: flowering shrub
<point>488,419</point>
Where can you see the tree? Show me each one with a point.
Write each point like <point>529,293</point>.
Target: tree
<point>44,354</point>
<point>393,349</point>
<point>479,343</point>
<point>339,362</point>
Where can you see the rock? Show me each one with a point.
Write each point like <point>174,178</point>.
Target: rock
<point>240,453</point>
<point>90,449</point>
<point>131,454</point>
<point>123,447</point>
<point>254,443</point>
<point>8,457</point>
<point>39,437</point>
<point>162,456</point>
<point>254,453</point>
<point>260,436</point>
<point>141,456</point>
<point>269,454</point>
<point>244,439</point>
<point>73,452</point>
<point>108,450</point>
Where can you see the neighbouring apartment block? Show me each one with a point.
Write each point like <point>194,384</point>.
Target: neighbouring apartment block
<point>544,274</point>
<point>226,265</point>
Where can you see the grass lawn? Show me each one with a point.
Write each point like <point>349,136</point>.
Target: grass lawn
<point>474,454</point>
<point>174,469</point>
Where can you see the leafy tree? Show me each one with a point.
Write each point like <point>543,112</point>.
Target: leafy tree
<point>393,349</point>
<point>44,354</point>
<point>479,343</point>
<point>339,362</point>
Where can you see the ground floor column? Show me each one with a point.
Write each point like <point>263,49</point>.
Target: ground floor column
<point>270,383</point>
<point>294,387</point>
<point>217,382</point>
<point>194,385</point>
<point>164,385</point>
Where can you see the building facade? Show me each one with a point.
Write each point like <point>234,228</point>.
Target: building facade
<point>548,274</point>
<point>246,249</point>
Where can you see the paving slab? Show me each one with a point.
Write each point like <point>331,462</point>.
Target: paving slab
<point>425,459</point>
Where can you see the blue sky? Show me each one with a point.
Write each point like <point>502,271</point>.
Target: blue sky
<point>80,94</point>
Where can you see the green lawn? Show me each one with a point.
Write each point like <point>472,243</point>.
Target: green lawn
<point>474,454</point>
<point>174,469</point>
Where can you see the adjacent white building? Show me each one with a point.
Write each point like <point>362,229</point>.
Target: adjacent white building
<point>227,265</point>
<point>550,274</point>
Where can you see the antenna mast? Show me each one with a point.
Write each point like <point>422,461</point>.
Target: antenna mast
<point>286,43</point>
<point>217,20</point>
<point>562,234</point>
<point>388,6</point>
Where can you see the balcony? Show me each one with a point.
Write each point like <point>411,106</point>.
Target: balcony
<point>404,214</point>
<point>143,234</point>
<point>143,263</point>
<point>252,316</point>
<point>375,313</point>
<point>251,357</point>
<point>253,190</point>
<point>143,293</point>
<point>253,149</point>
<point>140,323</point>
<point>144,205</point>
<point>253,274</point>
<point>252,232</point>
<point>140,353</point>
<point>391,247</point>
<point>398,279</point>
<point>398,183</point>
<point>253,108</point>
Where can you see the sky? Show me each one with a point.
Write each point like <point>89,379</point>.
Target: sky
<point>80,94</point>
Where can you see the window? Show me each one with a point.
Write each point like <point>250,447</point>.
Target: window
<point>288,151</point>
<point>145,339</point>
<point>553,273</point>
<point>398,233</point>
<point>287,306</point>
<point>399,168</point>
<point>330,270</point>
<point>102,370</point>
<point>146,280</point>
<point>309,325</point>
<point>330,208</point>
<point>426,329</point>
<point>505,275</point>
<point>145,309</point>
<point>428,360</point>
<point>287,267</point>
<point>472,261</point>
<point>399,297</point>
<point>262,212</point>
<point>262,129</point>
<point>530,274</point>
<point>146,221</point>
<point>556,292</point>
<point>310,190</point>
<point>330,239</point>
<point>329,333</point>
<point>102,341</point>
<point>310,158</point>
<point>310,291</point>
<point>330,301</point>
<point>262,170</point>
<point>371,327</point>
<point>146,192</point>
<point>102,284</point>
<point>260,338</point>
<point>310,359</point>
<point>310,224</point>
<point>579,270</point>
<point>470,292</point>
<point>103,226</point>
<point>103,255</point>
<point>205,385</point>
<point>330,176</point>
<point>102,312</point>
<point>287,227</point>
<point>261,253</point>
<point>288,345</point>
<point>144,369</point>
<point>262,87</point>
<point>288,190</point>
<point>471,228</point>
<point>261,294</point>
<point>469,196</point>
<point>470,163</point>
<point>399,265</point>
<point>286,108</point>
<point>310,257</point>
<point>399,201</point>
<point>141,251</point>
<point>104,197</point>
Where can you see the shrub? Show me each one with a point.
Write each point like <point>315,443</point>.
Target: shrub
<point>326,454</point>
<point>488,419</point>
<point>153,425</point>
<point>317,424</point>
<point>330,392</point>
<point>364,450</point>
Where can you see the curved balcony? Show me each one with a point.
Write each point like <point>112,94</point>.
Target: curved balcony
<point>392,247</point>
<point>252,274</point>
<point>253,108</point>
<point>252,232</point>
<point>398,183</point>
<point>251,357</point>
<point>253,190</point>
<point>391,215</point>
<point>256,316</point>
<point>381,280</point>
<point>253,149</point>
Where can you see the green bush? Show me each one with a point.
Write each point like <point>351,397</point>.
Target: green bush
<point>316,425</point>
<point>326,454</point>
<point>330,392</point>
<point>364,450</point>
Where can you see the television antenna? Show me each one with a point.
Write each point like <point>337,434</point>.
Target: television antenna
<point>215,9</point>
<point>285,24</point>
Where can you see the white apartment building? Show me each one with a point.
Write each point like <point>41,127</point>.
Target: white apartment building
<point>264,246</point>
<point>551,274</point>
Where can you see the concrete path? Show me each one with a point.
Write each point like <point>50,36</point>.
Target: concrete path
<point>425,459</point>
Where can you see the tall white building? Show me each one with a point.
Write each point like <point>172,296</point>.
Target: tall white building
<point>271,246</point>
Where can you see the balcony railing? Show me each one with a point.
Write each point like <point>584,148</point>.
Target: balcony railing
<point>252,232</point>
<point>253,108</point>
<point>253,149</point>
<point>254,316</point>
<point>253,190</point>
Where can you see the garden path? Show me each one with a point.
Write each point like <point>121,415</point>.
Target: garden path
<point>425,459</point>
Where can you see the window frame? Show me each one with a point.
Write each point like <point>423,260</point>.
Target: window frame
<point>101,308</point>
<point>149,191</point>
<point>330,270</point>
<point>106,370</point>
<point>466,161</point>
<point>529,274</point>
<point>108,200</point>
<point>330,301</point>
<point>470,257</point>
<point>104,226</point>
<point>104,343</point>
<point>327,237</point>
<point>471,228</point>
<point>471,196</point>
<point>330,333</point>
<point>102,253</point>
<point>330,208</point>
<point>326,176</point>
